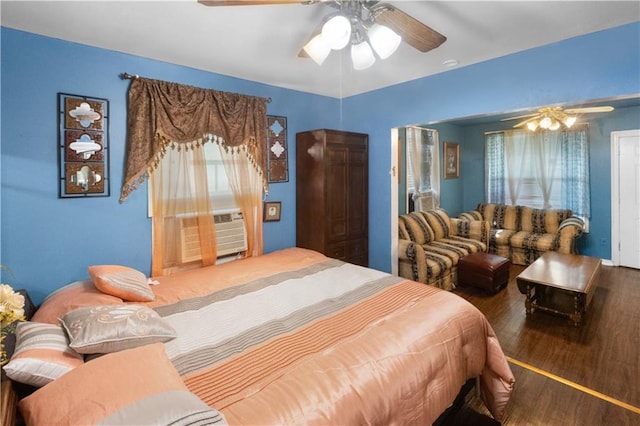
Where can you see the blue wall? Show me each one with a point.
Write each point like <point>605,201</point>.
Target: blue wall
<point>48,242</point>
<point>594,66</point>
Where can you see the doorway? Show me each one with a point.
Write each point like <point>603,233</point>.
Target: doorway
<point>625,198</point>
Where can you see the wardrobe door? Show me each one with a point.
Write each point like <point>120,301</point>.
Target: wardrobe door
<point>332,194</point>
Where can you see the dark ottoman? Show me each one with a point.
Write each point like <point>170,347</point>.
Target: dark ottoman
<point>483,270</point>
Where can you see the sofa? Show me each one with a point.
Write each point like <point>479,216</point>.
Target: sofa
<point>523,234</point>
<point>430,244</point>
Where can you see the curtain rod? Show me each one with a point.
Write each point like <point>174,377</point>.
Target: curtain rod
<point>127,76</point>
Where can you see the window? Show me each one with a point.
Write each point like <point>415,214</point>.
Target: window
<point>218,186</point>
<point>217,180</point>
<point>539,169</point>
<point>423,171</point>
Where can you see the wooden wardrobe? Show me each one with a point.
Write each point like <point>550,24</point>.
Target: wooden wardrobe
<point>332,194</point>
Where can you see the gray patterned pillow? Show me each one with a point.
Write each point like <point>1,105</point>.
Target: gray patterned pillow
<point>112,328</point>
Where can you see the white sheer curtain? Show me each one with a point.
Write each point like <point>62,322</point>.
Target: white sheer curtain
<point>516,149</point>
<point>547,152</point>
<point>423,167</point>
<point>246,184</point>
<point>536,169</point>
<point>178,189</point>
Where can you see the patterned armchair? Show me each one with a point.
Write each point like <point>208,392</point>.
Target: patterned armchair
<point>523,234</point>
<point>430,243</point>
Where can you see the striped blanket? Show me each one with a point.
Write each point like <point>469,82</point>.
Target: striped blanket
<point>295,337</point>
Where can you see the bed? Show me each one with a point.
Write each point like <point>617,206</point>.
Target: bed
<point>290,337</point>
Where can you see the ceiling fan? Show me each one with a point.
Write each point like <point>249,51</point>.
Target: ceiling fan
<point>552,118</point>
<point>365,25</point>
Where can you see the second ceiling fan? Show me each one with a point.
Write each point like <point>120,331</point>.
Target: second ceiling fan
<point>553,118</point>
<point>367,26</point>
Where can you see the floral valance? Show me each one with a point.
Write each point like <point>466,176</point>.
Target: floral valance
<point>161,113</point>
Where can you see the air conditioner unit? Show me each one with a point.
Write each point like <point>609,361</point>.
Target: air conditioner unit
<point>230,235</point>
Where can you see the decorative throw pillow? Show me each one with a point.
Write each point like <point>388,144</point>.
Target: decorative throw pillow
<point>112,328</point>
<point>132,387</point>
<point>126,283</point>
<point>72,296</point>
<point>42,354</point>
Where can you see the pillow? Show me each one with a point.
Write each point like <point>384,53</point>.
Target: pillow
<point>72,296</point>
<point>112,328</point>
<point>129,284</point>
<point>132,387</point>
<point>42,354</point>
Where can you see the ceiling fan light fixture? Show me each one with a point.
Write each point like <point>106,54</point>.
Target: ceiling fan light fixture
<point>545,123</point>
<point>570,120</point>
<point>532,125</point>
<point>384,40</point>
<point>555,125</point>
<point>362,55</point>
<point>317,49</point>
<point>336,32</point>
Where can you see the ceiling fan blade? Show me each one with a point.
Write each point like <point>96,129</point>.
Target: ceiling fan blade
<point>302,53</point>
<point>588,110</point>
<point>524,122</point>
<point>520,116</point>
<point>247,2</point>
<point>412,31</point>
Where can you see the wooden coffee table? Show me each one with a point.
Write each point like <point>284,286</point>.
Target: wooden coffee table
<point>560,283</point>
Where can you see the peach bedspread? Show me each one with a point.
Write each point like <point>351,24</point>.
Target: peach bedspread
<point>293,337</point>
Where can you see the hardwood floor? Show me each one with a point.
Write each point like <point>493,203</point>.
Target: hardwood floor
<point>567,375</point>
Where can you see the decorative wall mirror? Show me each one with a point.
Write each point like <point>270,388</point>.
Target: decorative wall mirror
<point>83,144</point>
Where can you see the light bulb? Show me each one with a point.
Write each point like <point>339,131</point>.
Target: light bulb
<point>336,32</point>
<point>545,123</point>
<point>555,125</point>
<point>383,40</point>
<point>362,56</point>
<point>317,49</point>
<point>570,121</point>
<point>532,125</point>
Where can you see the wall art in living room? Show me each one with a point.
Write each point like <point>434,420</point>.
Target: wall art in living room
<point>451,154</point>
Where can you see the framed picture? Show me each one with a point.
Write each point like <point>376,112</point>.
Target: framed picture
<point>83,146</point>
<point>451,158</point>
<point>277,158</point>
<point>272,211</point>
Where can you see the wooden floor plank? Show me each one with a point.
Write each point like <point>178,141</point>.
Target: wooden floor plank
<point>602,355</point>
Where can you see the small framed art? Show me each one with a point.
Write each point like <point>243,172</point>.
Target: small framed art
<point>272,211</point>
<point>277,159</point>
<point>451,158</point>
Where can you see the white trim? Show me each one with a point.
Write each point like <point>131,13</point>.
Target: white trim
<point>607,262</point>
<point>393,173</point>
<point>615,190</point>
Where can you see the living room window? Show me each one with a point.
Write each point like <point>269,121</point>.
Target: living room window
<point>548,169</point>
<point>423,168</point>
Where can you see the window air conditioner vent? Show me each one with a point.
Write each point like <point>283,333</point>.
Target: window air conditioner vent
<point>230,236</point>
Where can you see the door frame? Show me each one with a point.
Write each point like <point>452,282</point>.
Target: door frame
<point>615,188</point>
<point>394,175</point>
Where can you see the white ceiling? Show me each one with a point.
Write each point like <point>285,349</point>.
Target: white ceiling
<point>261,43</point>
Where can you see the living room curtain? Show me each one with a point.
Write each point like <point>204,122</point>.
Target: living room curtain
<point>423,167</point>
<point>495,168</point>
<point>548,169</point>
<point>160,113</point>
<point>546,164</point>
<point>517,147</point>
<point>575,172</point>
